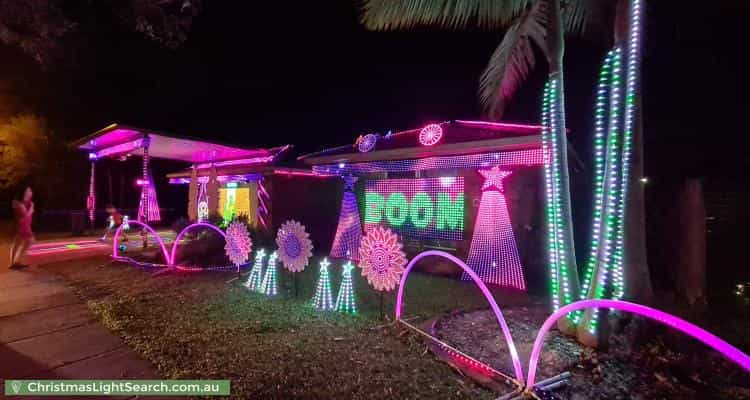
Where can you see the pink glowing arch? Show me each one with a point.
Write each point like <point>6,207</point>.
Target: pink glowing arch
<point>173,256</point>
<point>116,241</point>
<point>482,287</point>
<point>704,336</point>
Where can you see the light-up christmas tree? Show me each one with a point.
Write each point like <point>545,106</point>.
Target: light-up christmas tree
<point>270,286</point>
<point>346,302</point>
<point>349,231</point>
<point>322,299</point>
<point>493,254</point>
<point>256,274</point>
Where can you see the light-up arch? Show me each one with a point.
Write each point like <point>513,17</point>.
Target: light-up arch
<point>173,256</point>
<point>704,336</point>
<point>482,287</point>
<point>116,241</point>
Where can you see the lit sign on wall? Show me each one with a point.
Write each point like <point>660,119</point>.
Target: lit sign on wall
<point>431,208</point>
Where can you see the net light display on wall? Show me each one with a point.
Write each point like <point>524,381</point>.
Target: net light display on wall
<point>493,254</point>
<point>431,208</point>
<point>517,158</point>
<point>430,135</point>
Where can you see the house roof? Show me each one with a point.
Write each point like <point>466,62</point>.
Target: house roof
<point>459,137</point>
<point>118,140</point>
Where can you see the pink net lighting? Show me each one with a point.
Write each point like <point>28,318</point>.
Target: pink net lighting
<point>152,208</point>
<point>517,158</point>
<point>493,254</point>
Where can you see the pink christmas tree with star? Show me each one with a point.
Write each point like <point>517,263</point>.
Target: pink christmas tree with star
<point>493,254</point>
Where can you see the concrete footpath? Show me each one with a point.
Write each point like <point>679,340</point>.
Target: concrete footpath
<point>47,332</point>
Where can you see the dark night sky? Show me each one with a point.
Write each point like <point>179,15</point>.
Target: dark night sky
<point>309,74</point>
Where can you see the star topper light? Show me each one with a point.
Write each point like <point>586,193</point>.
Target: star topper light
<point>493,178</point>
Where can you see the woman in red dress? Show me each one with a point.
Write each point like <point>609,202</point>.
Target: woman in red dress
<point>24,211</point>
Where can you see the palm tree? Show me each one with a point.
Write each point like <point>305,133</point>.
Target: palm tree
<point>632,226</point>
<point>530,23</point>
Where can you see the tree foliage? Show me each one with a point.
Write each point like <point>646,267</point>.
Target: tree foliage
<point>24,142</point>
<point>38,27</point>
<point>526,22</point>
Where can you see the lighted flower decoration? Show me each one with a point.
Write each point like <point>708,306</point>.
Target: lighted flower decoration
<point>430,134</point>
<point>381,258</point>
<point>202,211</point>
<point>295,247</point>
<point>239,245</point>
<point>367,143</point>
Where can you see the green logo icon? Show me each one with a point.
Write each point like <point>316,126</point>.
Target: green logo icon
<point>16,386</point>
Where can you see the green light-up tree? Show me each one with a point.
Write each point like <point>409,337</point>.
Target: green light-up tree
<point>322,299</point>
<point>346,301</point>
<point>254,280</point>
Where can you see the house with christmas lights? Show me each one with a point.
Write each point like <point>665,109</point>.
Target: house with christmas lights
<point>473,188</point>
<point>222,180</point>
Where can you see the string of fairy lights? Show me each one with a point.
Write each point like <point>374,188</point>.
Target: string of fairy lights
<point>557,231</point>
<point>631,95</point>
<point>613,142</point>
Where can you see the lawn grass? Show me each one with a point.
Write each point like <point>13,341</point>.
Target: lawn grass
<point>197,326</point>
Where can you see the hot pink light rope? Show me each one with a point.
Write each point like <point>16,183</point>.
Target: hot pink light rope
<point>172,257</point>
<point>115,239</point>
<point>485,291</point>
<point>704,336</point>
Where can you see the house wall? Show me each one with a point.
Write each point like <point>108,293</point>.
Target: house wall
<point>311,200</point>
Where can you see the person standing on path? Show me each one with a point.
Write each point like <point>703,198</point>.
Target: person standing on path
<point>23,209</point>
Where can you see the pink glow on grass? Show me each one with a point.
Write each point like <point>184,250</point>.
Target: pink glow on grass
<point>116,241</point>
<point>729,351</point>
<point>45,245</point>
<point>173,256</point>
<point>493,304</point>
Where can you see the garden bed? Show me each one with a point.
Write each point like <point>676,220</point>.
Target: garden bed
<point>666,365</point>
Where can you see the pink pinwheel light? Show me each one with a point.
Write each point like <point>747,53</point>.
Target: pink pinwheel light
<point>381,258</point>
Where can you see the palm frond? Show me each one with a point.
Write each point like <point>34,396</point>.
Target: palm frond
<point>578,15</point>
<point>513,60</point>
<point>451,14</point>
